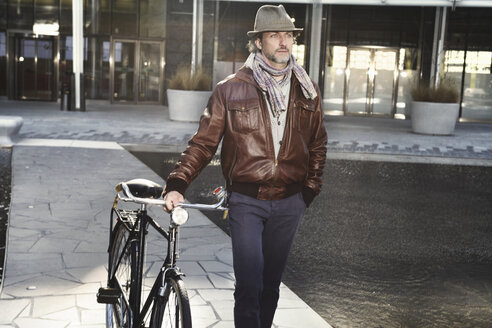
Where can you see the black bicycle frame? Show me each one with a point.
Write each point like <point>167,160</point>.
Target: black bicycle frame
<point>137,236</point>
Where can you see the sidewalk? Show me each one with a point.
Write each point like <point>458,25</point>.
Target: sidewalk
<point>65,167</point>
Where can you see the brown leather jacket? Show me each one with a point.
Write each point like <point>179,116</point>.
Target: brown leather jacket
<point>237,113</point>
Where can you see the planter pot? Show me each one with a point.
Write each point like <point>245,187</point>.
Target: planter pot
<point>434,118</point>
<point>186,105</point>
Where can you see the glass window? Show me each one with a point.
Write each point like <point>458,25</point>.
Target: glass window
<point>96,68</point>
<point>3,64</point>
<point>408,75</point>
<point>98,17</point>
<point>20,14</point>
<point>66,16</point>
<point>66,63</point>
<point>3,14</point>
<point>336,59</point>
<point>153,18</point>
<point>125,17</point>
<point>46,10</point>
<point>477,96</point>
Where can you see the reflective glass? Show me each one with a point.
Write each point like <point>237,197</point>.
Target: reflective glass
<point>3,64</point>
<point>98,17</point>
<point>46,10</point>
<point>21,14</point>
<point>125,17</point>
<point>357,74</point>
<point>26,68</point>
<point>477,95</point>
<point>334,83</point>
<point>44,69</point>
<point>124,71</point>
<point>408,76</point>
<point>66,16</point>
<point>384,74</point>
<point>153,18</point>
<point>3,14</point>
<point>149,77</point>
<point>96,68</point>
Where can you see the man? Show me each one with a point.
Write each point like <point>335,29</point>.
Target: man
<point>268,116</point>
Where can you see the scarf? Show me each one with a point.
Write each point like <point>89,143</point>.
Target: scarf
<point>264,74</point>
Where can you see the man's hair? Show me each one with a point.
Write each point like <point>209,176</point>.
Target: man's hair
<point>252,45</point>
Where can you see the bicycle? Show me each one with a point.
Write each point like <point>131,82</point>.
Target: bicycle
<point>127,245</point>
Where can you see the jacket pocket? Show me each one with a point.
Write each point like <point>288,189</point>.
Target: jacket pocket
<point>304,111</point>
<point>244,115</point>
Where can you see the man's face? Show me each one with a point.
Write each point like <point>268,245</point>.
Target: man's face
<point>276,47</point>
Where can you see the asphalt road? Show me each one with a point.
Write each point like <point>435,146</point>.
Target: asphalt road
<point>387,244</point>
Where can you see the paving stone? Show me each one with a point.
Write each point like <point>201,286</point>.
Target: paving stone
<point>295,318</point>
<point>49,245</point>
<point>45,286</point>
<point>11,309</point>
<point>43,306</point>
<point>26,263</point>
<point>88,302</point>
<point>92,274</point>
<point>224,309</point>
<point>191,268</point>
<point>197,282</point>
<point>224,324</point>
<point>215,266</point>
<point>221,281</point>
<point>83,260</point>
<point>93,316</point>
<point>210,295</point>
<point>39,323</point>
<point>69,315</point>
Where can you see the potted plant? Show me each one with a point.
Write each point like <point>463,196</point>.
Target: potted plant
<point>188,94</point>
<point>434,109</point>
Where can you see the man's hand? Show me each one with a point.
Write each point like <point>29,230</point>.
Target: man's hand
<point>172,199</point>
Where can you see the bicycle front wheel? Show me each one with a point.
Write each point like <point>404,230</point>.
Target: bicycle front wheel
<point>173,309</point>
<point>122,262</point>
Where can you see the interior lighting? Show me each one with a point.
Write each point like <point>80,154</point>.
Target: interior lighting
<point>46,28</point>
<point>21,59</point>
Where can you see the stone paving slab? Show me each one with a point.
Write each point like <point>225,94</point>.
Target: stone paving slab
<point>56,252</point>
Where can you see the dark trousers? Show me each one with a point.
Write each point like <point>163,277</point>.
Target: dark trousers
<point>262,234</point>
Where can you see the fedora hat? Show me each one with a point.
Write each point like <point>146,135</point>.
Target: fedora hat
<point>273,19</point>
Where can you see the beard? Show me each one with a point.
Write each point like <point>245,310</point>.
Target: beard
<point>282,58</point>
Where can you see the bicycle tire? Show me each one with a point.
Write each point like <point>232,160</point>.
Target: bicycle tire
<point>173,309</point>
<point>118,315</point>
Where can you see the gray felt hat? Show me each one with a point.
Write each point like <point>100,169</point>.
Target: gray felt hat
<point>273,19</point>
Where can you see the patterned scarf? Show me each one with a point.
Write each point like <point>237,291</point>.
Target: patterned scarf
<point>264,75</point>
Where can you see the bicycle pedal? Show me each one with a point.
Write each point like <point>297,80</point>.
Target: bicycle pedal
<point>108,295</point>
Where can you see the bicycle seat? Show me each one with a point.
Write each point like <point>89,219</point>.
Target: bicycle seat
<point>142,188</point>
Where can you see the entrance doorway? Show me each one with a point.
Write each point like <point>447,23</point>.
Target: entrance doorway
<point>371,81</point>
<point>137,71</point>
<point>34,68</point>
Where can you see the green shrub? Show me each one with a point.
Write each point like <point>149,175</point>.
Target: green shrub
<point>184,80</point>
<point>446,92</point>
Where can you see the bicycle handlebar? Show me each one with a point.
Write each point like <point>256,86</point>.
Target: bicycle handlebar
<point>219,192</point>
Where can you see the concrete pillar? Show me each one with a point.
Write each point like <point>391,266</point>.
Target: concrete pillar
<point>78,51</point>
<point>315,47</point>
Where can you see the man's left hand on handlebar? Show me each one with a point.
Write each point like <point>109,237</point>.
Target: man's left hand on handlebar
<point>172,199</point>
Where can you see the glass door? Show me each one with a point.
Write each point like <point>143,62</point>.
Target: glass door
<point>34,69</point>
<point>384,82</point>
<point>124,71</point>
<point>357,75</point>
<point>137,71</point>
<point>149,84</point>
<point>371,77</point>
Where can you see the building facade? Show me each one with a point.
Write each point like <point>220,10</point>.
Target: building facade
<point>365,55</point>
